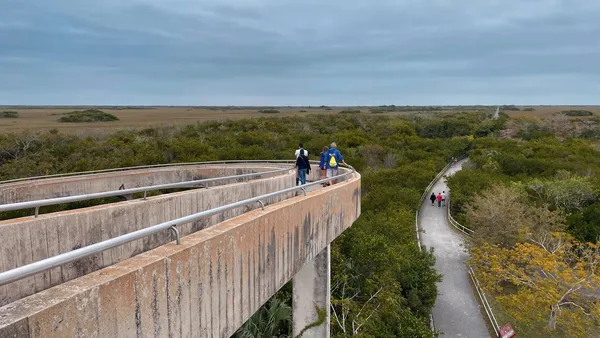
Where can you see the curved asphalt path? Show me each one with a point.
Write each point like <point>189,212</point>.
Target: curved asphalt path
<point>456,312</point>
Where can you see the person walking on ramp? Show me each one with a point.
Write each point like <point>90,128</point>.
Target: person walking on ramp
<point>432,198</point>
<point>323,165</point>
<point>303,165</point>
<point>334,157</point>
<point>443,198</point>
<point>439,200</point>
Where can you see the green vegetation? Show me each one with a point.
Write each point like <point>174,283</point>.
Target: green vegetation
<point>382,284</point>
<point>89,115</point>
<point>393,108</point>
<point>529,109</point>
<point>577,113</point>
<point>8,114</point>
<point>534,203</point>
<point>350,111</point>
<point>510,107</point>
<point>269,111</point>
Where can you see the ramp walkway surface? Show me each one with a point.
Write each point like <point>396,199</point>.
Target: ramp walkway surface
<point>456,312</point>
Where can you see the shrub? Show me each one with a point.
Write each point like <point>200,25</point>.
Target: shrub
<point>302,111</point>
<point>509,107</point>
<point>9,114</point>
<point>89,115</point>
<point>577,113</point>
<point>269,111</point>
<point>350,111</point>
<point>529,109</point>
<point>377,111</point>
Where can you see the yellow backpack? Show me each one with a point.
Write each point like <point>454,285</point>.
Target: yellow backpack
<point>332,161</point>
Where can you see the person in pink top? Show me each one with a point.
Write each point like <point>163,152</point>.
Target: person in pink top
<point>439,200</point>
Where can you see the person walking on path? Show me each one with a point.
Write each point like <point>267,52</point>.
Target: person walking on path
<point>439,199</point>
<point>300,148</point>
<point>432,198</point>
<point>303,165</point>
<point>332,160</point>
<point>443,198</point>
<point>323,165</point>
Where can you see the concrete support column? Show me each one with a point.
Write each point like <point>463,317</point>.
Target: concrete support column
<point>311,303</point>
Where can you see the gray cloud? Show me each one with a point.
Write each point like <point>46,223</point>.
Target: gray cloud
<point>299,52</point>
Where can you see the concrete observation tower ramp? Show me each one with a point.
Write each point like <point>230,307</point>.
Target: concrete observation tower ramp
<point>196,260</point>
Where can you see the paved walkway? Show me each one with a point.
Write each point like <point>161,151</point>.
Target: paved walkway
<point>456,312</point>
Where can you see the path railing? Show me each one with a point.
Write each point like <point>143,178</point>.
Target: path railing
<point>484,302</point>
<point>421,200</point>
<point>71,256</point>
<point>486,305</point>
<point>465,230</point>
<point>426,193</point>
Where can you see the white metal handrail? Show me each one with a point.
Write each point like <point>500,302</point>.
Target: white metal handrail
<point>151,166</point>
<point>484,302</point>
<point>426,192</point>
<point>58,260</point>
<point>85,197</point>
<point>465,230</point>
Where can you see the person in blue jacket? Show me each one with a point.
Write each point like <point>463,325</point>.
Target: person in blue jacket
<point>332,160</point>
<point>322,164</point>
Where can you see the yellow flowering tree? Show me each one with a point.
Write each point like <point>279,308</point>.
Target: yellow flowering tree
<point>555,279</point>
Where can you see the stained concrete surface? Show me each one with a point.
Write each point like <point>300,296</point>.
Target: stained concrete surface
<point>206,287</point>
<point>456,312</point>
<point>29,239</point>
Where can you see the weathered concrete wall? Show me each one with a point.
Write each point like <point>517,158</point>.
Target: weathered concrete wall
<point>29,239</point>
<point>86,184</point>
<point>206,287</point>
<point>311,294</point>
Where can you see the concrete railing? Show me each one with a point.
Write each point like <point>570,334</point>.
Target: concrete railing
<point>152,166</point>
<point>86,197</point>
<point>29,239</point>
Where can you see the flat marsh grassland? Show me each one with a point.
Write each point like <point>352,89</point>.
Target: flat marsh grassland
<point>45,118</point>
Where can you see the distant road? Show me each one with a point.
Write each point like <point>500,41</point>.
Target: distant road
<point>456,312</point>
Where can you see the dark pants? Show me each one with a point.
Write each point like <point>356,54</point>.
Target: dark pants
<point>439,203</point>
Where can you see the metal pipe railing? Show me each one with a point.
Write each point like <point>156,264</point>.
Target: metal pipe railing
<point>52,262</point>
<point>151,166</point>
<point>77,198</point>
<point>426,193</point>
<point>486,305</point>
<point>467,231</point>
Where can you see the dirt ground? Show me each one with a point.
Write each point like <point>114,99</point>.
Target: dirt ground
<point>44,118</point>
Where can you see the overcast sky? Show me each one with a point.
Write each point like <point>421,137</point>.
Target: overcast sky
<point>299,52</point>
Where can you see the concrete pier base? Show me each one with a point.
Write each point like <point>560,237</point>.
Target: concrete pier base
<point>311,297</point>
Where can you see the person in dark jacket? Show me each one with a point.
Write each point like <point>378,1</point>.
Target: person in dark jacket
<point>303,165</point>
<point>432,198</point>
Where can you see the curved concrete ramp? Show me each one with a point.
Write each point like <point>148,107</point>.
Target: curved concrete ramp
<point>30,239</point>
<point>456,312</point>
<point>206,287</point>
